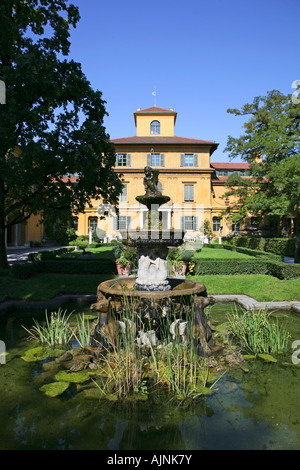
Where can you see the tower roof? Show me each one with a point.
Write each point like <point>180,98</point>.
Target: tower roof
<point>154,110</point>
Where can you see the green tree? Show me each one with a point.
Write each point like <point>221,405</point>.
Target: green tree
<point>271,145</point>
<point>52,116</point>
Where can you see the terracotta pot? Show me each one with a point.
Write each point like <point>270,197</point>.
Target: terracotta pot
<point>180,271</point>
<point>123,270</point>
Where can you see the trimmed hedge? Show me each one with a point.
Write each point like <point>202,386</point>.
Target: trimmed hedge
<point>256,253</point>
<point>25,271</point>
<point>279,246</point>
<point>246,266</point>
<point>99,266</point>
<point>63,266</point>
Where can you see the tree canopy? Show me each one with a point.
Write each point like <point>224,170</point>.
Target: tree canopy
<point>51,126</point>
<point>271,146</point>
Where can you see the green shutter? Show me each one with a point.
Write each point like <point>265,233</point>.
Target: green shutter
<point>195,223</point>
<point>128,222</point>
<point>182,159</point>
<point>148,159</point>
<point>186,193</point>
<point>195,159</point>
<point>128,159</point>
<point>162,159</point>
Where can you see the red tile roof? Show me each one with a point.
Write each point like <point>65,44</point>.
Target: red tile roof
<point>229,165</point>
<point>155,109</point>
<point>161,140</point>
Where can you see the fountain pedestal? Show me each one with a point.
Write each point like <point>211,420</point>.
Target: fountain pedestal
<point>152,294</point>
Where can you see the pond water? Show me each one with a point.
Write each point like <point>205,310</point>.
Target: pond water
<point>256,409</point>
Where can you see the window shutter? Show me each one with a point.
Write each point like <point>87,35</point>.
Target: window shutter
<point>186,193</point>
<point>148,159</point>
<point>182,222</point>
<point>115,223</point>
<point>128,222</point>
<point>162,159</point>
<point>182,159</point>
<point>117,160</point>
<point>195,223</point>
<point>128,159</point>
<point>195,159</point>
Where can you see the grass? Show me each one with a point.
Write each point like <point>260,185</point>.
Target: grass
<point>42,287</point>
<point>47,286</point>
<point>261,287</point>
<point>100,252</point>
<point>210,253</point>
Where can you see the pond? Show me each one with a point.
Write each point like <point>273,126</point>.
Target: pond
<point>256,407</point>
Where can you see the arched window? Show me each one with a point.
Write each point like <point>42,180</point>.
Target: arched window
<point>155,127</point>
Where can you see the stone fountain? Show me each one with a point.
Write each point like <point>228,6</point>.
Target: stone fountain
<point>153,293</point>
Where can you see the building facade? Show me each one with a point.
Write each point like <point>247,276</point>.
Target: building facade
<point>194,184</point>
<point>186,175</point>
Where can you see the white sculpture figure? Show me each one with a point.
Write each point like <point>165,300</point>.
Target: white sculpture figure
<point>152,273</point>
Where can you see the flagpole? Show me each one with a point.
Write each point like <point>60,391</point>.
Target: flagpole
<point>154,93</point>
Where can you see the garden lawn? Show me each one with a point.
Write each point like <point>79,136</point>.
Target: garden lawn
<point>261,287</point>
<point>104,252</point>
<point>48,286</point>
<point>220,253</point>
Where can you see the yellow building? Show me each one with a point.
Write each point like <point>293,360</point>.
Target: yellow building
<point>186,175</point>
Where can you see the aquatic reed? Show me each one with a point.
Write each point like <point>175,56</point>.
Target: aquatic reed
<point>258,331</point>
<point>82,333</point>
<point>56,329</point>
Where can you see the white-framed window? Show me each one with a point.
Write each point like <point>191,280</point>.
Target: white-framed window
<point>123,195</point>
<point>216,224</point>
<point>155,159</point>
<point>155,128</point>
<point>188,193</point>
<point>189,159</point>
<point>93,222</point>
<point>189,222</point>
<point>236,227</point>
<point>123,159</point>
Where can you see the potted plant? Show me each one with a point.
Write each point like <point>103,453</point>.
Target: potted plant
<point>180,260</point>
<point>123,265</point>
<point>124,259</point>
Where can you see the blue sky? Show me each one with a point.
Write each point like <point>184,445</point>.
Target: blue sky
<point>203,57</point>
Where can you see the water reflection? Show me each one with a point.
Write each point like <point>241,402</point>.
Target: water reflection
<point>258,409</point>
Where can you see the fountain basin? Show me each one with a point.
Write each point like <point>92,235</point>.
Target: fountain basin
<point>126,287</point>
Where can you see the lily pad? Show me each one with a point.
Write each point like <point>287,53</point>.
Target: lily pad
<point>74,377</point>
<point>41,353</point>
<point>267,357</point>
<point>54,389</point>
